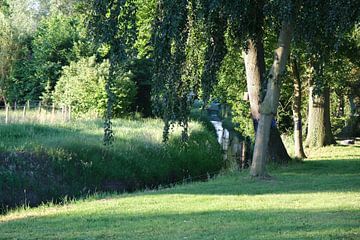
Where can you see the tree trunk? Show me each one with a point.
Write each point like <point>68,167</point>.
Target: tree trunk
<point>298,138</point>
<point>269,105</point>
<point>319,132</point>
<point>255,70</point>
<point>329,136</point>
<point>341,106</point>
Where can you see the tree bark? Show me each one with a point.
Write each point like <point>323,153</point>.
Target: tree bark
<point>255,70</point>
<point>298,138</point>
<point>341,106</point>
<point>319,132</point>
<point>269,105</point>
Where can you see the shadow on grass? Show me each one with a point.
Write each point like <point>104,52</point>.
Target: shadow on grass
<point>306,177</point>
<point>236,224</point>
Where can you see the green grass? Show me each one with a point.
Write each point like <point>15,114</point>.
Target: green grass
<point>51,161</point>
<point>316,199</point>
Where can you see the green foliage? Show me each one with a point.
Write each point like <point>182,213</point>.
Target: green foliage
<point>20,87</point>
<point>112,25</point>
<point>46,37</point>
<point>54,161</point>
<point>25,16</point>
<point>124,89</point>
<point>170,92</point>
<point>145,17</point>
<point>231,87</point>
<point>82,86</point>
<point>52,46</point>
<point>4,7</point>
<point>7,53</point>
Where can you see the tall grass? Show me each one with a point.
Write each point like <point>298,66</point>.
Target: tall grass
<point>44,162</point>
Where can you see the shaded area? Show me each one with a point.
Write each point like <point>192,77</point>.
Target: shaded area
<point>307,177</point>
<point>236,224</point>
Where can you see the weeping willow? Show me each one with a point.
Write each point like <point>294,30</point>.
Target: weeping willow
<point>189,46</point>
<point>113,26</point>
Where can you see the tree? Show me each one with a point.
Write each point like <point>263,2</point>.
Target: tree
<point>254,59</point>
<point>268,107</point>
<point>8,49</point>
<point>324,26</point>
<point>296,107</point>
<point>173,38</point>
<point>112,25</point>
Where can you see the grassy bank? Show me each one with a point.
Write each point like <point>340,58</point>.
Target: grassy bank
<point>317,199</point>
<point>44,162</point>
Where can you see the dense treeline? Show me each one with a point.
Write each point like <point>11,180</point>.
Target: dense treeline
<point>297,60</point>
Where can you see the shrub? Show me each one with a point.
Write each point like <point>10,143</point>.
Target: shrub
<point>82,86</point>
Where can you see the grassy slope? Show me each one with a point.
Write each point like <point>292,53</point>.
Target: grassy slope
<point>51,161</point>
<point>318,199</point>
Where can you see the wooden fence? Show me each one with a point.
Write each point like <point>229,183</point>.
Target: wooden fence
<point>34,112</point>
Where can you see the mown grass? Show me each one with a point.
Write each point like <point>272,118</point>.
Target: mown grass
<point>316,199</point>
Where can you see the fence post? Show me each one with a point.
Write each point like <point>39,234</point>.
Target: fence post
<point>39,111</point>
<point>24,113</point>
<point>69,113</point>
<point>62,112</point>
<point>53,113</point>
<point>65,113</point>
<point>6,113</point>
<point>243,155</point>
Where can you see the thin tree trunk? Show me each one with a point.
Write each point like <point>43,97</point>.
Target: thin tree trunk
<point>341,106</point>
<point>270,103</point>
<point>298,138</point>
<point>329,137</point>
<point>255,70</point>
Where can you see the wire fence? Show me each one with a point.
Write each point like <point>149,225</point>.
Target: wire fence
<point>34,112</point>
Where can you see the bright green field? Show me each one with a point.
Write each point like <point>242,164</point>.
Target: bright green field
<point>317,199</point>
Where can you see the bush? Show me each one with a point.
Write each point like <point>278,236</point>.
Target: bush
<point>82,86</point>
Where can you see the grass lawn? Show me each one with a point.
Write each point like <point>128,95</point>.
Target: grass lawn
<point>317,199</point>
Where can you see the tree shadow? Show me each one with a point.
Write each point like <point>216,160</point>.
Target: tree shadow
<point>305,177</point>
<point>234,224</point>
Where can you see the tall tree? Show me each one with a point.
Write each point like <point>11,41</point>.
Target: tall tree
<point>254,59</point>
<point>298,139</point>
<point>268,107</point>
<point>323,27</point>
<point>8,50</point>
